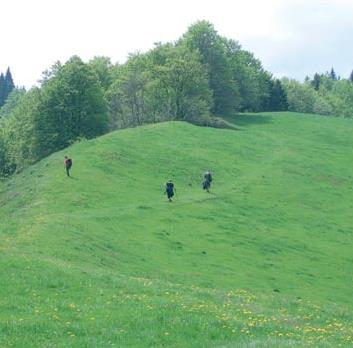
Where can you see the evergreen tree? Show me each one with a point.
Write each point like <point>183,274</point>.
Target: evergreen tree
<point>351,76</point>
<point>6,86</point>
<point>316,81</point>
<point>278,97</point>
<point>9,85</point>
<point>333,75</point>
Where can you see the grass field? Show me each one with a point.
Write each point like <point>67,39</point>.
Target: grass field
<point>264,260</point>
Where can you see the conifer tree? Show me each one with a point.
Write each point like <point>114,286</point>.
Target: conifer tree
<point>333,75</point>
<point>6,86</point>
<point>316,81</point>
<point>278,97</point>
<point>9,85</point>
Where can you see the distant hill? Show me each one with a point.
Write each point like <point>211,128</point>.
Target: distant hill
<point>263,260</point>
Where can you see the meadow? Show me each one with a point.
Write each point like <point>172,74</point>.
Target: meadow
<point>263,260</point>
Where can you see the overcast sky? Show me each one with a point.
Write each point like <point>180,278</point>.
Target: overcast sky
<point>292,38</point>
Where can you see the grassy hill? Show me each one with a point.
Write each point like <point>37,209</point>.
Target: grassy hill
<point>264,260</point>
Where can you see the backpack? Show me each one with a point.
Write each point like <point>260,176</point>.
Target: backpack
<point>69,163</point>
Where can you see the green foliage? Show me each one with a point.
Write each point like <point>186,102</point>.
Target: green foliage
<point>254,83</point>
<point>264,260</point>
<point>300,97</point>
<point>49,73</point>
<point>316,81</point>
<point>4,170</point>
<point>341,98</point>
<point>187,84</point>
<point>166,83</point>
<point>322,106</point>
<point>19,135</point>
<point>11,102</point>
<point>277,100</point>
<point>213,52</point>
<point>237,79</point>
<point>126,96</point>
<point>72,106</point>
<point>69,106</point>
<point>325,94</point>
<point>103,68</point>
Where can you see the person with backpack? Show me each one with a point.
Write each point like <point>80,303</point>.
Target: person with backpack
<point>67,165</point>
<point>207,179</point>
<point>169,190</point>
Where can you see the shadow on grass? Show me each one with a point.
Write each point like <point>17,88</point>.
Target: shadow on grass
<point>233,122</point>
<point>242,120</point>
<point>72,177</point>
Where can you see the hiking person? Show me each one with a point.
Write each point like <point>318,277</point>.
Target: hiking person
<point>169,190</point>
<point>68,165</point>
<point>207,179</point>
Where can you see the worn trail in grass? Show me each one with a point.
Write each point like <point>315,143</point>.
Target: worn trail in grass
<point>103,260</point>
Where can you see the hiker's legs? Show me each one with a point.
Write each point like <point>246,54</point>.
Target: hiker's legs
<point>68,171</point>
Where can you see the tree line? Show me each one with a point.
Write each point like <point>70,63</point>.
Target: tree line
<point>323,94</point>
<point>197,78</point>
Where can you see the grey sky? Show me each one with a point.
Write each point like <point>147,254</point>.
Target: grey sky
<point>291,38</point>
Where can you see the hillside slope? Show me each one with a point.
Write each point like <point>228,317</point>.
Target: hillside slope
<point>102,259</point>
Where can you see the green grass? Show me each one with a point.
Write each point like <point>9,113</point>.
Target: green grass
<point>264,260</point>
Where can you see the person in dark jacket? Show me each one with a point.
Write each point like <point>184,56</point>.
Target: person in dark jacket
<point>207,179</point>
<point>67,165</point>
<point>169,190</point>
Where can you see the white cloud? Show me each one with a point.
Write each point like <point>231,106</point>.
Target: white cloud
<point>311,36</point>
<point>290,37</point>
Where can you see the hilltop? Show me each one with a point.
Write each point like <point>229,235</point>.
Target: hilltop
<point>103,259</point>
